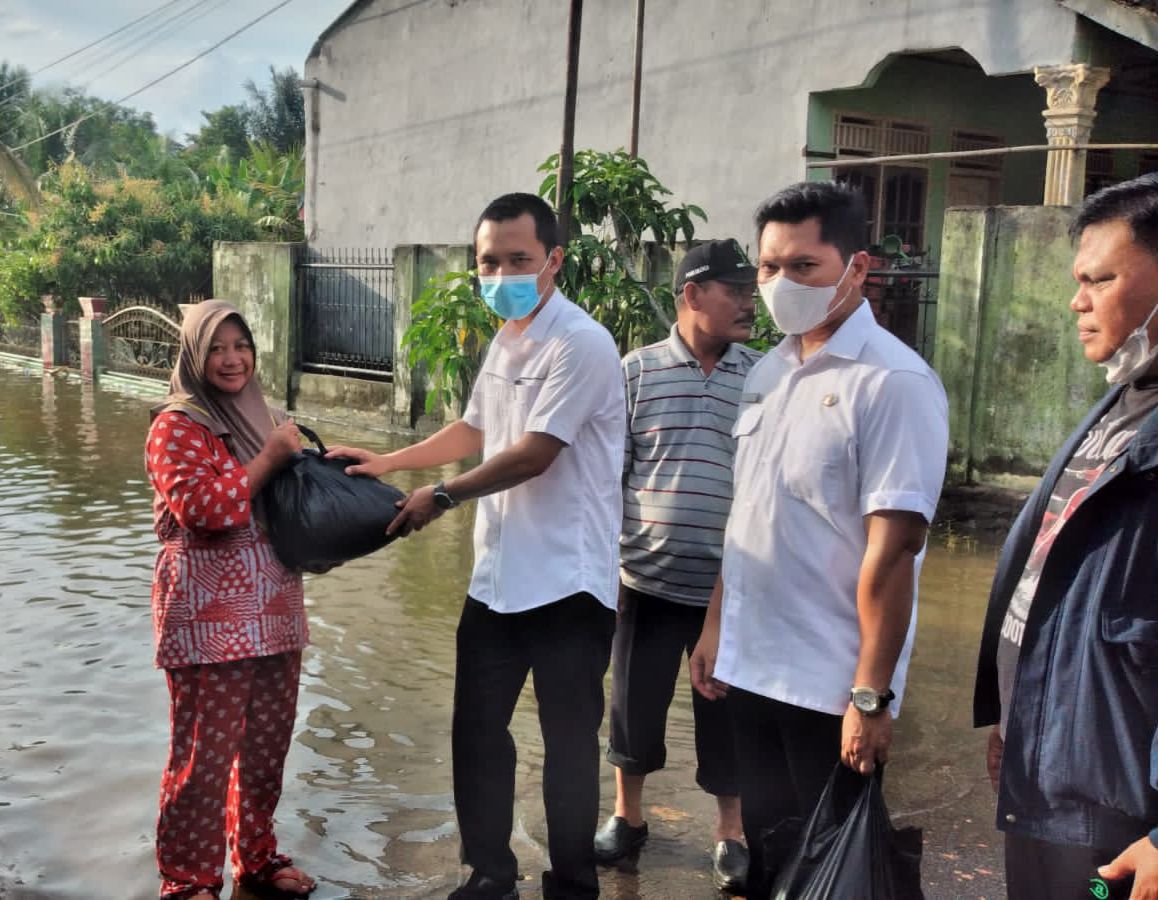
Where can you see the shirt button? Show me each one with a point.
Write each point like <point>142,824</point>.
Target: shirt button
<point>1010,817</point>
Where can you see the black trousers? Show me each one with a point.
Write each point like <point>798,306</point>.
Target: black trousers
<point>652,636</point>
<point>566,646</point>
<point>784,755</point>
<point>1036,870</point>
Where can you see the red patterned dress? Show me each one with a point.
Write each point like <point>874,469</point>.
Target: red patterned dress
<point>219,592</point>
<point>230,626</point>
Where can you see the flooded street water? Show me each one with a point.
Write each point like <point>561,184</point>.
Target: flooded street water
<point>367,806</point>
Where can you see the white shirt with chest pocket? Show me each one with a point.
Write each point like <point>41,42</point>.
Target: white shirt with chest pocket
<point>859,427</point>
<point>557,534</point>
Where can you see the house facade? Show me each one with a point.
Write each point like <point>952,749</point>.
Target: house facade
<point>420,111</point>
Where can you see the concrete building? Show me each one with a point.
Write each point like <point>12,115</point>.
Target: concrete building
<point>419,111</point>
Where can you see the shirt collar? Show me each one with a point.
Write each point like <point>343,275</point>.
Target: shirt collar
<point>847,342</point>
<point>540,326</point>
<point>730,359</point>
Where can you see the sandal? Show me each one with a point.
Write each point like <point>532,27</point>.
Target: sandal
<point>278,879</point>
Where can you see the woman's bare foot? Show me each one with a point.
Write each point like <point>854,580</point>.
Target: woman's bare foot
<point>294,880</point>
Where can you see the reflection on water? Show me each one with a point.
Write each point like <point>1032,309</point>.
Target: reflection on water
<point>367,804</point>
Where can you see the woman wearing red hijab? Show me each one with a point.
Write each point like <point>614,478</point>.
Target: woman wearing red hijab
<point>229,618</point>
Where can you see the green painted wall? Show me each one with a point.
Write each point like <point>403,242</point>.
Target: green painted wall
<point>259,279</point>
<point>1007,347</point>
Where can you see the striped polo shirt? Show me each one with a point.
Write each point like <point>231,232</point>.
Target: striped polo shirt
<point>677,479</point>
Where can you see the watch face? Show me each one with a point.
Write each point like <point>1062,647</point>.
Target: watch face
<point>866,701</point>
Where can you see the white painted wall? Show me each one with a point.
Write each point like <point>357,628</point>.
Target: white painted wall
<point>427,109</point>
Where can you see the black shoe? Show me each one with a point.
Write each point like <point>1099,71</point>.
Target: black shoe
<point>617,839</point>
<point>483,887</point>
<point>730,866</point>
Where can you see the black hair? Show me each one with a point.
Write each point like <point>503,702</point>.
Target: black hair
<point>511,206</point>
<point>840,209</point>
<point>1135,202</point>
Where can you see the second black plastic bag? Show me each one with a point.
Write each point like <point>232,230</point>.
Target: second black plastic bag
<point>318,517</point>
<point>848,849</point>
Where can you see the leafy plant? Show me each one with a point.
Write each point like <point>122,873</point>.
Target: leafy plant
<point>765,334</point>
<point>119,238</point>
<point>450,330</point>
<point>265,186</point>
<point>620,203</point>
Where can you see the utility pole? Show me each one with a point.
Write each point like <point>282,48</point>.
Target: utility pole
<point>567,150</point>
<point>637,79</point>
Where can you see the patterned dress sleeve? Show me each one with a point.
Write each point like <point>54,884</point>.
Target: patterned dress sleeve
<point>203,486</point>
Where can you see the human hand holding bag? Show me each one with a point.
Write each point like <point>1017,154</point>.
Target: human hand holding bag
<point>318,517</point>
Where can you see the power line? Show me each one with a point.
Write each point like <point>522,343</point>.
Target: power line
<point>125,40</point>
<point>134,44</point>
<point>265,15</point>
<point>161,31</point>
<point>99,40</point>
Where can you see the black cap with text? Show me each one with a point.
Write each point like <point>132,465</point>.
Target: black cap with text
<point>715,261</point>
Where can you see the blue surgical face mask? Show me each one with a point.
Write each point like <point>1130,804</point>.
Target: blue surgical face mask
<point>511,296</point>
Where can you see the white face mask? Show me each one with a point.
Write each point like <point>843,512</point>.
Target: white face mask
<point>1134,357</point>
<point>799,308</point>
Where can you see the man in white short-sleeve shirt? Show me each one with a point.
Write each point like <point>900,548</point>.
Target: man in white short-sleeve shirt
<point>842,437</point>
<point>547,414</point>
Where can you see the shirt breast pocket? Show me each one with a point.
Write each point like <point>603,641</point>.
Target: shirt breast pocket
<point>820,468</point>
<point>748,420</point>
<point>525,392</point>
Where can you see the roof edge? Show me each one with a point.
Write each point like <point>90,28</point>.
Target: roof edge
<point>343,19</point>
<point>1133,22</point>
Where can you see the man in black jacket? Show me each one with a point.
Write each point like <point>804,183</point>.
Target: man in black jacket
<point>1068,671</point>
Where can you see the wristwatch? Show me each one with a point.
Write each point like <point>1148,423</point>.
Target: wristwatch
<point>442,499</point>
<point>870,701</point>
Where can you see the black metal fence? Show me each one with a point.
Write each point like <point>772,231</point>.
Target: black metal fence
<point>905,302</point>
<point>345,303</point>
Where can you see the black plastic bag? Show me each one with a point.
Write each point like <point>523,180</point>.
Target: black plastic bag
<point>848,849</point>
<point>318,517</point>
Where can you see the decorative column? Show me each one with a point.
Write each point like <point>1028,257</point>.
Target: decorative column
<point>92,337</point>
<point>1071,93</point>
<point>53,347</point>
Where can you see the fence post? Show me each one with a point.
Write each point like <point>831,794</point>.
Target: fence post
<point>53,347</point>
<point>406,405</point>
<point>92,337</point>
<point>259,279</point>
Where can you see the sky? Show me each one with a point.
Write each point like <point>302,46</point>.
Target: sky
<point>34,33</point>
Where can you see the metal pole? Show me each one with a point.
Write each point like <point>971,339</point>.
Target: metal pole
<point>567,150</point>
<point>637,79</point>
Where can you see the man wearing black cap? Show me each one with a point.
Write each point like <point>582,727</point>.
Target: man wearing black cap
<point>682,397</point>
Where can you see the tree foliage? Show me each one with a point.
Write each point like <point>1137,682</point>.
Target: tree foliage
<point>266,184</point>
<point>119,238</point>
<point>126,212</point>
<point>225,130</point>
<point>276,114</point>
